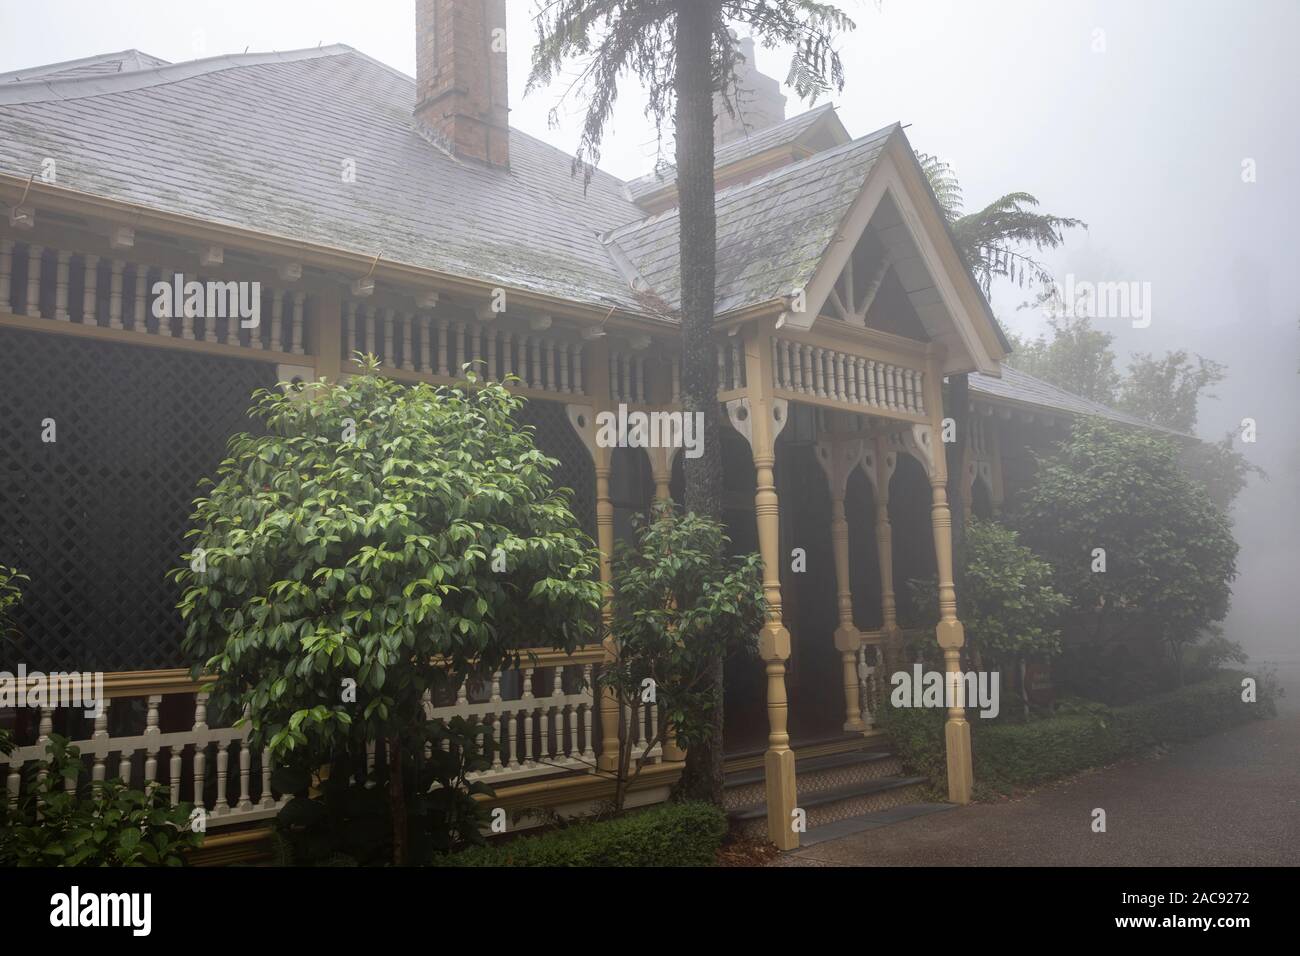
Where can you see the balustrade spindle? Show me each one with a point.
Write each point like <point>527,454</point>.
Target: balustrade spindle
<point>6,274</point>
<point>267,800</point>
<point>200,749</point>
<point>564,368</point>
<point>174,775</point>
<point>588,752</point>
<point>577,370</point>
<point>32,304</point>
<point>407,363</point>
<point>426,340</point>
<point>460,347</point>
<point>245,769</point>
<point>98,772</point>
<point>277,322</point>
<point>222,806</point>
<point>390,343</point>
<point>151,732</point>
<point>537,362</point>
<point>139,284</point>
<point>526,711</point>
<point>63,268</point>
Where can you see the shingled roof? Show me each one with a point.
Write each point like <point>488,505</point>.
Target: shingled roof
<point>124,61</point>
<point>257,141</point>
<point>1021,388</point>
<point>772,231</point>
<point>778,134</point>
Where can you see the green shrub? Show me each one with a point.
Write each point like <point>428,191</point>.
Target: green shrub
<point>672,834</point>
<point>92,824</point>
<point>1008,755</point>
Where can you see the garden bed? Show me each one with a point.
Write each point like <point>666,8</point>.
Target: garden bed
<point>1012,756</point>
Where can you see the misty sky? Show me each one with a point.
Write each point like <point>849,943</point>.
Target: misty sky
<point>1144,140</point>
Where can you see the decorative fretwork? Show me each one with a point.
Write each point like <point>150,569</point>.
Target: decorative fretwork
<point>95,518</point>
<point>843,377</point>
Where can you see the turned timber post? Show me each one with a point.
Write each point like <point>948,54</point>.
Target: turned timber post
<point>598,384</point>
<point>949,632</point>
<point>763,419</point>
<point>838,459</point>
<point>886,459</point>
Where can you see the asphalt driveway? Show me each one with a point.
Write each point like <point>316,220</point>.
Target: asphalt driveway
<point>1232,799</point>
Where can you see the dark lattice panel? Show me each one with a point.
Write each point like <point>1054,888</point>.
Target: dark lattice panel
<point>556,437</point>
<point>96,518</point>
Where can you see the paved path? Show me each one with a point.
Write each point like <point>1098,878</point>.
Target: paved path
<point>1232,799</point>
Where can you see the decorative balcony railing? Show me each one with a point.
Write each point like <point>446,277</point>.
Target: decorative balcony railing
<point>873,681</point>
<point>828,373</point>
<point>83,288</point>
<point>422,341</point>
<point>627,377</point>
<point>212,767</point>
<point>541,714</point>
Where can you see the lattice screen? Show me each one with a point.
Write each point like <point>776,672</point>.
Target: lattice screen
<point>96,518</point>
<point>556,437</point>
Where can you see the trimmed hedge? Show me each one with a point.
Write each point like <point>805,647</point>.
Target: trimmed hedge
<point>1008,756</point>
<point>671,834</point>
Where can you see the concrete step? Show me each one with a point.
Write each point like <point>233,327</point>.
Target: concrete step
<point>743,788</point>
<point>838,803</point>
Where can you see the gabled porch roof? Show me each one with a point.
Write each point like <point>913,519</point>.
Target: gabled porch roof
<point>794,230</point>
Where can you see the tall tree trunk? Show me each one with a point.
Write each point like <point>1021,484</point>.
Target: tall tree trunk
<point>697,248</point>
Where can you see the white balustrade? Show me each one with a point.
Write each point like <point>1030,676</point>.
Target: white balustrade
<point>138,758</point>
<point>846,378</point>
<point>541,727</point>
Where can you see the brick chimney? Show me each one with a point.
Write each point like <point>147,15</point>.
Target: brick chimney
<point>758,101</point>
<point>460,76</point>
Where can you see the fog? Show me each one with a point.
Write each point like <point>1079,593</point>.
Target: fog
<point>1136,117</point>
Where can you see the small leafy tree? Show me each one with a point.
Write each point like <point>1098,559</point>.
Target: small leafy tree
<point>1116,498</point>
<point>377,543</point>
<point>64,820</point>
<point>678,606</point>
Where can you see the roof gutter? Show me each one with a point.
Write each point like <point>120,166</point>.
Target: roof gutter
<point>352,264</point>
